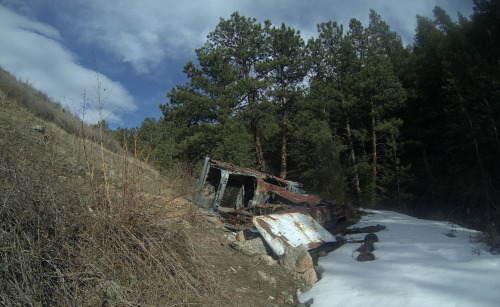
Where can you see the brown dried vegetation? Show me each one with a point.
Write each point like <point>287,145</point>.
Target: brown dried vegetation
<point>68,238</point>
<point>89,225</point>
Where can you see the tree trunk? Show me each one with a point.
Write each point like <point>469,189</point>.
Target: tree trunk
<point>256,138</point>
<point>396,165</point>
<point>490,204</point>
<point>494,124</point>
<point>258,150</point>
<point>374,160</point>
<point>284,138</point>
<point>352,157</point>
<point>481,168</point>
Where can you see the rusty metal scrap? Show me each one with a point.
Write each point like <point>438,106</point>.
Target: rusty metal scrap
<point>244,216</point>
<point>223,186</point>
<point>291,230</point>
<point>296,199</point>
<point>244,197</point>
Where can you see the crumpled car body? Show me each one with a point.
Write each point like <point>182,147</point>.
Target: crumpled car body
<point>239,194</point>
<point>280,210</point>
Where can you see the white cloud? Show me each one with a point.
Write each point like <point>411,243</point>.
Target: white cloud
<point>34,51</point>
<point>150,35</point>
<point>145,33</point>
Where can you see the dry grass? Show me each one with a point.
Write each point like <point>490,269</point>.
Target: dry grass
<point>44,108</point>
<point>70,238</point>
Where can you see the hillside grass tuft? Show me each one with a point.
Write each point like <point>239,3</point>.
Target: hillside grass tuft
<point>81,225</point>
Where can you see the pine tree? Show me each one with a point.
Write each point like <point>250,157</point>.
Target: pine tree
<point>286,68</point>
<point>355,82</point>
<point>334,63</point>
<point>226,82</point>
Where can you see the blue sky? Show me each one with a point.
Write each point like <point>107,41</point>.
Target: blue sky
<point>140,47</point>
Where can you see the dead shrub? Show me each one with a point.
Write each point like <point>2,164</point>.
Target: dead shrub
<point>63,244</point>
<point>148,262</point>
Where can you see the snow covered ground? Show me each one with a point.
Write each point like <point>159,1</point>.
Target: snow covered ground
<point>416,264</point>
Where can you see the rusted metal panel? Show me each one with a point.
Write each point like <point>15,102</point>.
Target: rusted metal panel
<point>247,171</point>
<point>239,169</point>
<point>220,182</point>
<point>295,198</point>
<point>243,217</point>
<point>221,189</point>
<point>291,229</point>
<point>264,179</point>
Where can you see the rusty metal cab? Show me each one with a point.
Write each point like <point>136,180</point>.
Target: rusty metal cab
<point>223,186</point>
<point>280,210</point>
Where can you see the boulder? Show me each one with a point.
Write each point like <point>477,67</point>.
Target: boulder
<point>39,128</point>
<point>253,247</point>
<point>296,259</point>
<point>267,260</point>
<point>310,277</point>
<point>270,280</point>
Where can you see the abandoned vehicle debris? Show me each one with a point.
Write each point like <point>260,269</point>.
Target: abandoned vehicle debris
<point>238,194</point>
<point>284,214</point>
<point>291,229</point>
<point>273,217</point>
<point>224,186</point>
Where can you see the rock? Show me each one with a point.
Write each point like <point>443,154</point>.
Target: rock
<point>296,259</point>
<point>366,248</point>
<point>305,288</point>
<point>230,237</point>
<point>240,236</point>
<point>285,299</point>
<point>220,227</point>
<point>365,257</point>
<point>310,277</point>
<point>371,238</point>
<point>252,247</point>
<point>270,280</point>
<point>267,260</point>
<point>39,128</point>
<point>304,264</point>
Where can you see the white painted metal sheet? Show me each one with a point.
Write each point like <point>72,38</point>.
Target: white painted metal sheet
<point>291,229</point>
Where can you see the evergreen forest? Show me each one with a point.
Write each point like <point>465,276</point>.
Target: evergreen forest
<point>351,113</point>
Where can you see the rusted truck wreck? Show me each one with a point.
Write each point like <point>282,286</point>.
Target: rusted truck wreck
<point>284,214</point>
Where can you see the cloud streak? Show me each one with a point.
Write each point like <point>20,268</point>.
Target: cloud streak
<point>145,33</point>
<point>35,52</point>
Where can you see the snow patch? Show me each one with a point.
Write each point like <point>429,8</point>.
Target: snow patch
<point>417,264</point>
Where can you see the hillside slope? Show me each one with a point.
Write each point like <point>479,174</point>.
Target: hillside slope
<point>83,226</point>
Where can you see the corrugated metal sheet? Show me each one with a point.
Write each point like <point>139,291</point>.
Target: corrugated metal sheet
<point>291,229</point>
